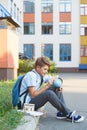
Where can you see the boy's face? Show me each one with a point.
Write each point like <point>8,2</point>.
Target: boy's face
<point>42,70</point>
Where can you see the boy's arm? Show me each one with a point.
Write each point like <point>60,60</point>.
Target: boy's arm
<point>33,92</point>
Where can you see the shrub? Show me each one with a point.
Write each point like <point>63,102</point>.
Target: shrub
<point>52,68</point>
<point>25,65</point>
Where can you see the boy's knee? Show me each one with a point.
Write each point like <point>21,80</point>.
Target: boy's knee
<point>50,93</point>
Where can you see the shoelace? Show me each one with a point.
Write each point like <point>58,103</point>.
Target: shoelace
<point>73,115</point>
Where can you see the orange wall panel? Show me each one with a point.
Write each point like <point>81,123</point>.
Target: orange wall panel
<point>65,17</point>
<point>47,17</point>
<point>3,48</point>
<point>12,49</point>
<point>8,49</point>
<point>29,17</point>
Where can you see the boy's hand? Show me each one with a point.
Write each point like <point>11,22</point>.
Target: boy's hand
<point>59,89</point>
<point>50,82</point>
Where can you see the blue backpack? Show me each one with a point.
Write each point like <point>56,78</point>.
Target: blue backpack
<point>16,91</point>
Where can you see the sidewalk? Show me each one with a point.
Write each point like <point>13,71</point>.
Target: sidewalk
<point>75,94</point>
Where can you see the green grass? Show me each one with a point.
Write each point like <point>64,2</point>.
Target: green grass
<point>9,117</point>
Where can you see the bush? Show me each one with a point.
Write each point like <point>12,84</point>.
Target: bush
<point>25,65</point>
<point>52,68</point>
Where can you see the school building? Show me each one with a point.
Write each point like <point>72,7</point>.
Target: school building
<point>56,29</point>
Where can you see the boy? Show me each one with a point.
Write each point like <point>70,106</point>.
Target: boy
<point>41,95</point>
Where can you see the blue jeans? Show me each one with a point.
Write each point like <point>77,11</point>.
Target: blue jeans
<point>54,97</point>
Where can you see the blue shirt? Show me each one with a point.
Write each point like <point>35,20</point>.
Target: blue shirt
<point>32,78</point>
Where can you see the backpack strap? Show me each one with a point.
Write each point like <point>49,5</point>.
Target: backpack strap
<point>41,80</point>
<point>20,85</point>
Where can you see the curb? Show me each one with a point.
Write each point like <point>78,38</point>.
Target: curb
<point>28,123</point>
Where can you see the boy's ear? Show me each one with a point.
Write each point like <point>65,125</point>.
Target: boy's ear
<point>38,67</point>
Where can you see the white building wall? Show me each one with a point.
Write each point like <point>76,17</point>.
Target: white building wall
<point>56,39</point>
<point>76,33</point>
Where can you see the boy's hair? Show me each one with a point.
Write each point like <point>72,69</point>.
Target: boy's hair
<point>42,61</point>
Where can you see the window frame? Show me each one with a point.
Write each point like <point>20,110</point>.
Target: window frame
<point>47,50</point>
<point>83,51</point>
<point>84,11</point>
<point>65,52</point>
<point>29,25</point>
<point>63,27</point>
<point>46,4</point>
<point>83,30</point>
<point>29,6</point>
<point>46,28</point>
<point>64,5</point>
<point>29,50</point>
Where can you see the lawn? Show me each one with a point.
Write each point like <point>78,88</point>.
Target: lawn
<point>9,117</point>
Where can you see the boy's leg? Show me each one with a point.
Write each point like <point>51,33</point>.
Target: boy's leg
<point>50,96</point>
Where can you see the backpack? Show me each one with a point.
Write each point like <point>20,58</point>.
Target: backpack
<point>16,91</point>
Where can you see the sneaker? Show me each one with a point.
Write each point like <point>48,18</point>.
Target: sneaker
<point>60,115</point>
<point>74,117</point>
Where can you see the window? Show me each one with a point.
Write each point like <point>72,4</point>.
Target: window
<point>17,14</point>
<point>65,28</point>
<point>29,28</point>
<point>29,6</point>
<point>47,28</point>
<point>65,6</point>
<point>20,17</point>
<point>2,14</point>
<point>29,50</point>
<point>83,10</point>
<point>11,11</point>
<point>48,51</point>
<point>83,51</point>
<point>47,6</point>
<point>3,25</point>
<point>15,11</point>
<point>83,31</point>
<point>65,52</point>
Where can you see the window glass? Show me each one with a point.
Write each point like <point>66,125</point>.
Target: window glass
<point>29,28</point>
<point>29,6</point>
<point>15,11</point>
<point>85,10</point>
<point>65,28</point>
<point>47,5</point>
<point>82,31</point>
<point>83,51</point>
<point>86,51</point>
<point>82,11</point>
<point>47,28</point>
<point>47,50</point>
<point>29,50</point>
<point>65,52</point>
<point>65,6</point>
